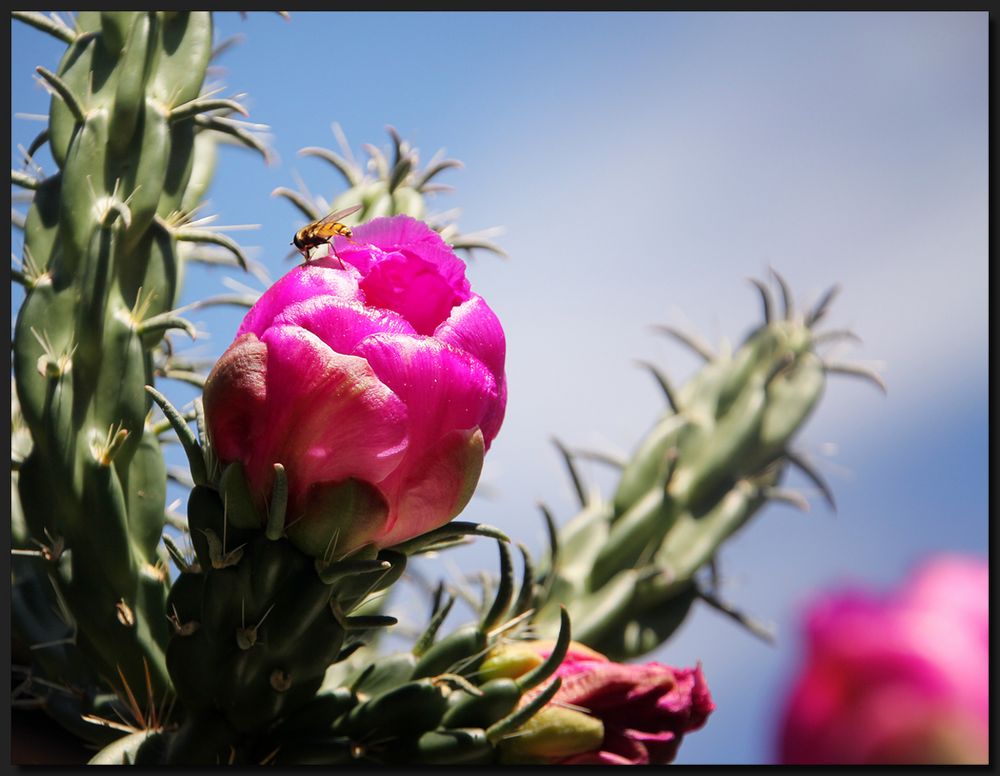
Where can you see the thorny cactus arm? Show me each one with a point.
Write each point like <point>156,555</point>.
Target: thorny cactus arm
<point>626,568</point>
<point>100,269</point>
<point>389,184</point>
<point>428,705</point>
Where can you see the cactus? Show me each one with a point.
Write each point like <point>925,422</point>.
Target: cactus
<point>387,188</point>
<point>626,567</point>
<point>428,705</point>
<point>260,656</point>
<point>104,244</point>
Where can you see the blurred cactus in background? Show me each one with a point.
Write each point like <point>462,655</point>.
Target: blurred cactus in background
<point>388,188</point>
<point>627,567</point>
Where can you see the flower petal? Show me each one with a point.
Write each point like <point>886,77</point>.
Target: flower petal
<point>660,747</point>
<point>620,743</point>
<point>341,324</point>
<point>598,758</point>
<point>234,398</point>
<point>438,487</point>
<point>302,283</point>
<point>412,287</point>
<point>406,267</point>
<point>445,390</point>
<point>325,416</point>
<point>403,235</point>
<point>473,327</point>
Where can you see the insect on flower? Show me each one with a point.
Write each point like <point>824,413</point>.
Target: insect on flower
<point>322,231</point>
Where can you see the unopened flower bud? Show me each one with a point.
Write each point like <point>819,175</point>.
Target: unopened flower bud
<point>375,377</point>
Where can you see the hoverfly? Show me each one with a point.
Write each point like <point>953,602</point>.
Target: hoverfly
<point>319,232</point>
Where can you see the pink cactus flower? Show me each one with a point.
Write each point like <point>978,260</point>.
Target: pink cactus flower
<point>376,378</point>
<point>645,709</point>
<point>899,679</point>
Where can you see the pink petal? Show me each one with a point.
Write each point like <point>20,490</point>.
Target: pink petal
<point>955,584</point>
<point>323,415</point>
<point>444,388</point>
<point>617,742</point>
<point>341,324</point>
<point>598,758</point>
<point>592,684</point>
<point>438,487</point>
<point>374,241</point>
<point>445,391</point>
<point>663,749</point>
<point>473,327</point>
<point>898,678</point>
<point>234,398</point>
<point>302,283</point>
<point>408,268</point>
<point>411,286</point>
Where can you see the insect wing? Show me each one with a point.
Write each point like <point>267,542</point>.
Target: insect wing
<point>336,215</point>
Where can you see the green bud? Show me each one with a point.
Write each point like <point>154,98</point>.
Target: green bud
<point>553,734</point>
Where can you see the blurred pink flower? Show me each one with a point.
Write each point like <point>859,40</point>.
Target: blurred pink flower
<point>376,379</point>
<point>898,679</point>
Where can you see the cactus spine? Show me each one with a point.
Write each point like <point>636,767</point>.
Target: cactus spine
<point>101,266</point>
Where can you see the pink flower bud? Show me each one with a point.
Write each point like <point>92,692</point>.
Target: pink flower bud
<point>376,379</point>
<point>899,679</point>
<point>645,709</point>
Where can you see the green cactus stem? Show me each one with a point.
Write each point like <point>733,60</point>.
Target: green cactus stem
<point>628,568</point>
<point>389,184</point>
<point>101,273</point>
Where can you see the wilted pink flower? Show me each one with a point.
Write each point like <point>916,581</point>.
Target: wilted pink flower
<point>897,679</point>
<point>376,379</point>
<point>645,709</point>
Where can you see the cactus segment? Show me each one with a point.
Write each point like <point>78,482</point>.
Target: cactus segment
<point>515,719</point>
<point>195,455</point>
<point>101,274</point>
<point>437,619</point>
<point>627,570</point>
<point>526,592</point>
<point>505,590</point>
<point>453,530</point>
<point>457,653</point>
<point>387,188</point>
<point>53,25</point>
<point>539,674</point>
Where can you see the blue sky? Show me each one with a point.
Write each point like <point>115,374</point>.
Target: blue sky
<point>643,165</point>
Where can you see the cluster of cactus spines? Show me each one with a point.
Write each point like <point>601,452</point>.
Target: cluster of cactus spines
<point>101,268</point>
<point>390,184</point>
<point>628,568</point>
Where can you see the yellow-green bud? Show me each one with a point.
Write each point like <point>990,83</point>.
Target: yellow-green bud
<point>551,735</point>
